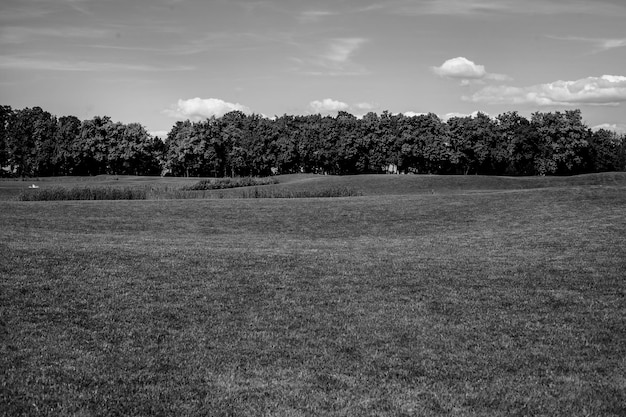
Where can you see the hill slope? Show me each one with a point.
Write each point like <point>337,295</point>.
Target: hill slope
<point>367,185</point>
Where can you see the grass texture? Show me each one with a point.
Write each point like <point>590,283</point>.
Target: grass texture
<point>448,301</point>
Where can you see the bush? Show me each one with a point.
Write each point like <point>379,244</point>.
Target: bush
<point>222,183</point>
<point>283,193</point>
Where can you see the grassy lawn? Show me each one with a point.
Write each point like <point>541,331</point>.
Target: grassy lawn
<point>428,296</point>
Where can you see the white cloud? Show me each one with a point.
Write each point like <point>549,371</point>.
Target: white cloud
<point>340,50</point>
<point>333,57</point>
<point>17,34</point>
<point>199,109</point>
<point>607,44</point>
<point>44,64</point>
<point>471,8</point>
<point>599,44</point>
<point>461,68</point>
<point>448,116</point>
<point>413,114</point>
<point>328,105</point>
<point>619,128</point>
<point>607,90</point>
<point>313,15</point>
<point>467,71</point>
<point>366,106</point>
<point>158,133</point>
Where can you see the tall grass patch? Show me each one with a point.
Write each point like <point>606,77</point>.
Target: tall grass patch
<point>326,192</point>
<point>57,193</point>
<point>222,183</point>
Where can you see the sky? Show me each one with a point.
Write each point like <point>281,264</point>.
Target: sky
<point>158,61</point>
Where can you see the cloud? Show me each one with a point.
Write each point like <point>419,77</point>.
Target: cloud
<point>366,106</point>
<point>333,58</point>
<point>477,8</point>
<point>43,64</point>
<point>607,90</point>
<point>449,116</point>
<point>310,16</point>
<point>18,34</point>
<point>158,133</point>
<point>331,106</point>
<point>79,5</point>
<point>413,114</point>
<point>619,128</point>
<point>461,68</point>
<point>328,105</point>
<point>467,71</point>
<point>457,7</point>
<point>340,50</point>
<point>599,44</point>
<point>15,10</point>
<point>606,44</point>
<point>197,109</point>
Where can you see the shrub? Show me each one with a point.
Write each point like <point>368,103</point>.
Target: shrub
<point>283,193</point>
<point>221,183</point>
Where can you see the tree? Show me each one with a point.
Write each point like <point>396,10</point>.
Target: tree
<point>476,140</point>
<point>232,133</point>
<point>388,146</point>
<point>181,150</point>
<point>606,151</point>
<point>377,149</point>
<point>29,138</point>
<point>519,144</point>
<point>65,139</point>
<point>352,149</point>
<point>261,145</point>
<point>286,134</point>
<point>6,117</point>
<point>130,150</point>
<point>425,145</point>
<point>563,142</point>
<point>92,146</point>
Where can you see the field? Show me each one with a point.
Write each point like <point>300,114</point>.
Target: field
<point>425,295</point>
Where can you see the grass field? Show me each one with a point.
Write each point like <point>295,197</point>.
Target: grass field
<point>426,295</point>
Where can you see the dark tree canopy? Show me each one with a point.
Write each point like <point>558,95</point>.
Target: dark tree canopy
<point>35,143</point>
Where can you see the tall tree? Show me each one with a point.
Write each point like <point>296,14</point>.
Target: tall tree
<point>476,140</point>
<point>519,142</point>
<point>6,117</point>
<point>65,140</point>
<point>93,146</point>
<point>352,150</point>
<point>130,150</point>
<point>563,142</point>
<point>30,136</point>
<point>606,151</point>
<point>426,145</point>
<point>287,133</point>
<point>181,149</point>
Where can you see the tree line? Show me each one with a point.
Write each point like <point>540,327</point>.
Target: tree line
<point>34,142</point>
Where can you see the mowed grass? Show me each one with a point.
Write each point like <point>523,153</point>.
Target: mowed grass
<point>433,303</point>
<point>287,186</point>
